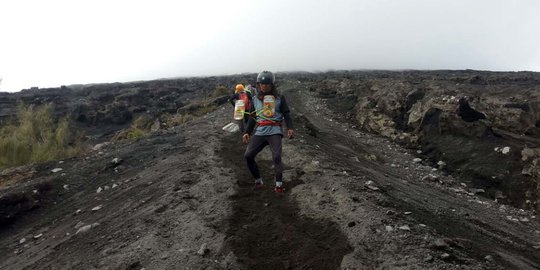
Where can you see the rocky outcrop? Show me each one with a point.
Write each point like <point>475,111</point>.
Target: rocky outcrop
<point>463,118</point>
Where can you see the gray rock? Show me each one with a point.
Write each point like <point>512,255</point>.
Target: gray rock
<point>417,160</point>
<point>404,228</point>
<point>489,258</point>
<point>55,170</point>
<point>440,244</point>
<point>429,258</point>
<point>79,225</point>
<point>203,250</point>
<point>445,256</point>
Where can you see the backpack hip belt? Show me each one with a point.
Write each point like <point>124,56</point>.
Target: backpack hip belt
<point>268,123</point>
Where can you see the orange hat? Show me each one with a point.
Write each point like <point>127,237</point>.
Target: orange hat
<point>239,88</point>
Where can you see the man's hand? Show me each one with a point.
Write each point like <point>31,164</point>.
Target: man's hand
<point>290,134</point>
<point>245,138</point>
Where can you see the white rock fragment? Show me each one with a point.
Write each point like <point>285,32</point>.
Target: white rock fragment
<point>417,160</point>
<point>86,228</point>
<point>100,145</point>
<point>114,185</point>
<point>79,225</point>
<point>106,188</point>
<point>22,241</point>
<point>405,228</point>
<point>99,190</point>
<point>55,170</point>
<point>389,228</point>
<point>505,150</point>
<point>524,219</point>
<point>60,162</point>
<point>38,236</point>
<point>66,187</point>
<point>117,161</point>
<point>407,213</point>
<point>97,208</point>
<point>203,250</point>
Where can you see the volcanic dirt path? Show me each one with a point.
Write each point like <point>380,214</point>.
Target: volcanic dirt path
<point>266,230</point>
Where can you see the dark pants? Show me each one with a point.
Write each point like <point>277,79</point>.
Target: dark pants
<point>256,145</point>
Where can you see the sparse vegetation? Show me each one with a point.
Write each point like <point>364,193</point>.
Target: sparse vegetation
<point>220,91</point>
<point>36,137</point>
<point>176,119</point>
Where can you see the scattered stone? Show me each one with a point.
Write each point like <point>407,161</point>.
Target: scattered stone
<point>203,250</point>
<point>106,187</point>
<point>78,211</point>
<point>60,162</point>
<point>536,247</point>
<point>86,228</point>
<point>445,256</point>
<point>405,228</point>
<point>97,208</point>
<point>38,236</point>
<point>116,161</point>
<point>527,153</point>
<point>351,224</point>
<point>407,213</point>
<point>266,204</point>
<point>440,244</point>
<point>417,160</point>
<point>100,145</point>
<point>430,177</point>
<point>79,225</point>
<point>477,190</point>
<point>164,256</point>
<point>419,151</point>
<point>55,170</point>
<point>389,228</point>
<point>371,185</point>
<point>393,165</point>
<point>114,185</point>
<point>524,219</point>
<point>66,187</point>
<point>441,164</point>
<point>99,190</point>
<point>505,150</point>
<point>422,225</point>
<point>489,258</point>
<point>429,258</point>
<point>22,241</point>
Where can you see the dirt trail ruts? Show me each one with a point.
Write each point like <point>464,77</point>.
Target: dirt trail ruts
<point>266,230</point>
<point>477,230</point>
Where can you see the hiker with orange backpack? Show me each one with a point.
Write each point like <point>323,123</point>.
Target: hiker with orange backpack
<point>241,100</point>
<point>270,110</point>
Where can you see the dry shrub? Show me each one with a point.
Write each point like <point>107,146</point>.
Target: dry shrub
<point>36,137</point>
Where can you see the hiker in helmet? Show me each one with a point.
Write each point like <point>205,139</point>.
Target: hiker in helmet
<point>241,93</point>
<point>270,110</point>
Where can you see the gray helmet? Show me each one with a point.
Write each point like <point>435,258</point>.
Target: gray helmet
<point>266,77</point>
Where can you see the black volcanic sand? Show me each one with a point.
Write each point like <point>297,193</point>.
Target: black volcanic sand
<point>266,230</point>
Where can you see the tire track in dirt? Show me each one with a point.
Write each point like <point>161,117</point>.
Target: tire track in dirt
<point>266,231</point>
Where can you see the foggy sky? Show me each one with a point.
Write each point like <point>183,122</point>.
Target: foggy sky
<point>56,42</point>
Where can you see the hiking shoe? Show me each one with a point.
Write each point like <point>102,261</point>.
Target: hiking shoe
<point>258,186</point>
<point>279,190</point>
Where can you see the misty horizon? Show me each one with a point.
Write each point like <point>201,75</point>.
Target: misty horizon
<point>62,43</point>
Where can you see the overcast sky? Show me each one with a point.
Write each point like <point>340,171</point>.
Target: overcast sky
<point>52,43</point>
